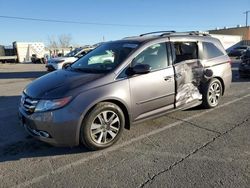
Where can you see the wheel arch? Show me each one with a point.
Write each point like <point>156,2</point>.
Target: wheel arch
<point>118,103</point>
<point>218,78</point>
<point>124,110</point>
<point>222,83</point>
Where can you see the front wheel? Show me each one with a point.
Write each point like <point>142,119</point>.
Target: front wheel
<point>65,66</point>
<point>212,92</point>
<point>103,126</point>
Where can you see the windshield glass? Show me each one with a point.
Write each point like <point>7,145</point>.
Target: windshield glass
<point>105,58</point>
<point>73,53</point>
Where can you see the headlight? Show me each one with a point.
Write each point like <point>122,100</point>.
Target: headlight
<point>46,105</point>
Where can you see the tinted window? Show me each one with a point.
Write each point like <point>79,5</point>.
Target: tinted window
<point>73,53</point>
<point>241,47</point>
<point>185,51</point>
<point>155,56</point>
<point>211,51</point>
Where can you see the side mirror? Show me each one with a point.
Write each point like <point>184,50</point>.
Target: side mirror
<point>140,69</point>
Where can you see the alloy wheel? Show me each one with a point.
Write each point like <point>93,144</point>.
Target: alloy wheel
<point>214,93</point>
<point>105,127</point>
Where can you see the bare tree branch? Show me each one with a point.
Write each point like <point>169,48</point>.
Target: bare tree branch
<point>52,42</point>
<point>64,40</point>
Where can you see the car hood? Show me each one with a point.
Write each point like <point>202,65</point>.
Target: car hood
<point>59,84</point>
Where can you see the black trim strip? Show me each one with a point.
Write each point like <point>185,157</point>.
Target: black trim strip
<point>142,102</point>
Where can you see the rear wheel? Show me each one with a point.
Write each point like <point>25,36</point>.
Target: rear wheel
<point>212,93</point>
<point>103,126</point>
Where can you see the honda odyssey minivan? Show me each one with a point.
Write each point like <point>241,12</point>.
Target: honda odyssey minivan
<point>123,82</point>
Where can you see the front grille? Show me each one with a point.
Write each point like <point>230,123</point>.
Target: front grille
<point>28,104</point>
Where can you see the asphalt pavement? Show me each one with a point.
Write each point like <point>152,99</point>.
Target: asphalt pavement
<point>191,148</point>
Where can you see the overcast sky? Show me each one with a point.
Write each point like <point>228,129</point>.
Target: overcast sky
<point>113,19</point>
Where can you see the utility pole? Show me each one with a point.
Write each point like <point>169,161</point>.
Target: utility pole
<point>246,16</point>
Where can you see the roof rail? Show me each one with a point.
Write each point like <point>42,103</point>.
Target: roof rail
<point>187,33</point>
<point>202,33</point>
<point>155,32</point>
<point>195,33</point>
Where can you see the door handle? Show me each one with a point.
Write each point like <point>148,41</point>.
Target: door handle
<point>168,78</point>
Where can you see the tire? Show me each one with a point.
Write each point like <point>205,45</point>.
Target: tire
<point>211,93</point>
<point>42,61</point>
<point>103,126</point>
<point>65,65</point>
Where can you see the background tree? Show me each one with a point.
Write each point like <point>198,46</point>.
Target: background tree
<point>55,44</point>
<point>64,41</point>
<point>52,42</point>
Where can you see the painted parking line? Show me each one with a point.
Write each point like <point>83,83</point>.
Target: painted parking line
<point>121,145</point>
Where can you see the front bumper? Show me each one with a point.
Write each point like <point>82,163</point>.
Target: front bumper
<point>54,127</point>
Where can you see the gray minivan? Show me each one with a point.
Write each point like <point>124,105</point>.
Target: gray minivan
<point>123,82</point>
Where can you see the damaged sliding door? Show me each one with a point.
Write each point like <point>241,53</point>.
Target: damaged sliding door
<point>188,77</point>
<point>189,73</point>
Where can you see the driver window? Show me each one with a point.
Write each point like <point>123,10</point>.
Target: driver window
<point>155,56</point>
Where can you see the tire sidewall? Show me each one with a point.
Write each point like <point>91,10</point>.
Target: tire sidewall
<point>207,101</point>
<point>85,133</point>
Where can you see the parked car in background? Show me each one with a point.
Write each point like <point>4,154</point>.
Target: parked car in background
<point>244,68</point>
<point>238,51</point>
<point>64,61</point>
<point>107,57</point>
<point>123,82</point>
<point>35,59</point>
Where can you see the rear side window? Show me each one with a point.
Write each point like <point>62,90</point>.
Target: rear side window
<point>211,51</point>
<point>185,51</point>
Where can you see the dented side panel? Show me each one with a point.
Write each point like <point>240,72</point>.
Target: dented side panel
<point>188,77</point>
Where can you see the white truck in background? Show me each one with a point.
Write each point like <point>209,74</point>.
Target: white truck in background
<point>29,52</point>
<point>7,54</point>
<point>21,52</point>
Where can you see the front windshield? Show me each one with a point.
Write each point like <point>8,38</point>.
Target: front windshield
<point>73,53</point>
<point>105,58</point>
